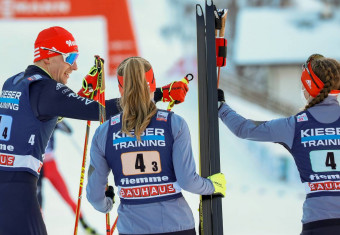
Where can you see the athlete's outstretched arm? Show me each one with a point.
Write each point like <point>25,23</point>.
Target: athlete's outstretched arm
<point>183,160</point>
<point>49,99</point>
<point>278,130</point>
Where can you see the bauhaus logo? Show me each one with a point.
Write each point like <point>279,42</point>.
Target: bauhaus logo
<point>10,8</point>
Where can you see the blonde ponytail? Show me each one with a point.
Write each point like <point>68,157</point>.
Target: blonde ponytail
<point>138,109</point>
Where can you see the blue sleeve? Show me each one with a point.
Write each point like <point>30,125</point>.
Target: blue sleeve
<point>49,99</point>
<point>183,160</point>
<point>98,171</point>
<point>278,130</point>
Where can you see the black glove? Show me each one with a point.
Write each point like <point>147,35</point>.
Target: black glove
<point>220,98</point>
<point>110,193</point>
<point>220,95</point>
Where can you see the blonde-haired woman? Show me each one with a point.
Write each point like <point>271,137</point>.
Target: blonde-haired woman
<point>312,137</point>
<point>149,152</point>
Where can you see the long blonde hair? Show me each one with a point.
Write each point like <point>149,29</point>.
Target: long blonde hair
<point>138,108</point>
<point>328,70</point>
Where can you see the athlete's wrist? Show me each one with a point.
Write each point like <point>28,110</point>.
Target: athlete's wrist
<point>219,104</point>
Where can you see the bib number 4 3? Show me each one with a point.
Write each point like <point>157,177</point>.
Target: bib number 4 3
<point>144,162</point>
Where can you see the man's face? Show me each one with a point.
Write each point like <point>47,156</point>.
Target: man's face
<point>60,70</point>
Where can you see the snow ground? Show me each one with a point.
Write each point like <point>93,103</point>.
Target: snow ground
<point>256,202</point>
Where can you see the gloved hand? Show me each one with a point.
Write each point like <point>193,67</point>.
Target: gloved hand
<point>220,98</point>
<point>175,91</point>
<point>110,193</point>
<point>220,95</point>
<point>220,183</point>
<point>90,86</point>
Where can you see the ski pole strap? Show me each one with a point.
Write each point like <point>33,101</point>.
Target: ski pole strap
<point>188,77</point>
<point>221,52</point>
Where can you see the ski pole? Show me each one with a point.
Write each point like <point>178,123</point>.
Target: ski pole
<point>102,115</point>
<point>114,226</point>
<point>82,174</point>
<point>185,80</point>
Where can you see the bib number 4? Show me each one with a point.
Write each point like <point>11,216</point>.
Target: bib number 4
<point>330,161</point>
<point>325,160</point>
<point>5,127</point>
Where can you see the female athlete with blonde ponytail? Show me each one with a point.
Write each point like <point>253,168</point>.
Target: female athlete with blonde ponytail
<point>150,155</point>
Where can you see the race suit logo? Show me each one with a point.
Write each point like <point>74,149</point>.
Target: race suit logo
<point>147,191</point>
<point>320,137</point>
<point>6,160</point>
<point>10,100</point>
<point>34,77</point>
<point>59,85</point>
<point>324,186</point>
<point>301,118</point>
<point>150,137</point>
<point>115,120</point>
<point>74,95</point>
<point>162,116</point>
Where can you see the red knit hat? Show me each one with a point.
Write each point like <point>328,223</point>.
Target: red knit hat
<point>56,38</point>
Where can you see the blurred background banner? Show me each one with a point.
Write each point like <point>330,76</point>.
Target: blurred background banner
<point>121,41</point>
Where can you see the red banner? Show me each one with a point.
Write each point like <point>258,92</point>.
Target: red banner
<point>121,39</point>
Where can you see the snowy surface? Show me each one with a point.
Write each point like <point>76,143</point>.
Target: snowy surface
<point>257,203</point>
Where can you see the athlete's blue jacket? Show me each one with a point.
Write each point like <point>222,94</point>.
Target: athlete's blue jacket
<point>23,137</point>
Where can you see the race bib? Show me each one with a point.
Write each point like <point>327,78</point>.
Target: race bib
<point>138,163</point>
<point>325,160</point>
<point>5,127</point>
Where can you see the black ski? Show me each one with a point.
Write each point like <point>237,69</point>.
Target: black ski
<point>214,140</point>
<point>211,219</point>
<point>205,203</point>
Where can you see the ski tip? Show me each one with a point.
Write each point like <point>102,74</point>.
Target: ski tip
<point>199,10</point>
<point>209,1</point>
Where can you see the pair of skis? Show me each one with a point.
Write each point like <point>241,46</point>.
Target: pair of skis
<point>211,219</point>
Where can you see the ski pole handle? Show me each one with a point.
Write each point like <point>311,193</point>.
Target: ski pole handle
<point>220,19</point>
<point>189,77</point>
<point>224,19</point>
